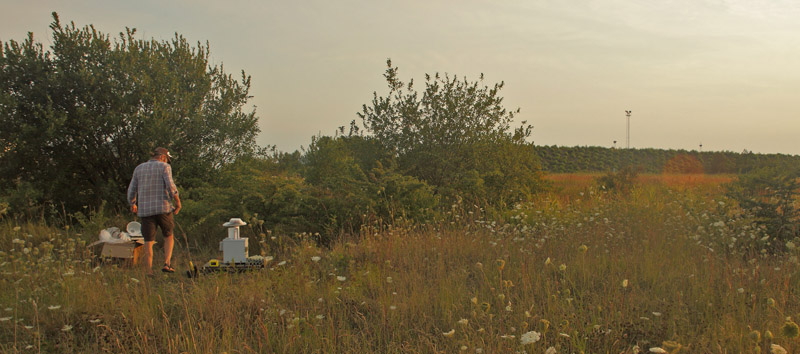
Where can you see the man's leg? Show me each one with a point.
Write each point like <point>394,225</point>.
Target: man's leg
<point>148,257</point>
<point>168,242</point>
<point>167,225</point>
<point>149,234</point>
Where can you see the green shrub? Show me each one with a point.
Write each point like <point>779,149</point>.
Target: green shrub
<point>620,181</point>
<point>770,196</point>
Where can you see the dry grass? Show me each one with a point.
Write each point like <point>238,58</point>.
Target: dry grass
<point>602,273</point>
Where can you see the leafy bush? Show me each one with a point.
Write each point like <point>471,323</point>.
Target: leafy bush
<point>356,183</point>
<point>770,196</point>
<point>456,136</point>
<point>620,181</point>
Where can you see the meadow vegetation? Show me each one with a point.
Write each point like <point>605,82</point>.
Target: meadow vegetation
<point>673,263</point>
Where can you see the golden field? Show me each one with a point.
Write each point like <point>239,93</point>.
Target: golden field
<point>672,266</point>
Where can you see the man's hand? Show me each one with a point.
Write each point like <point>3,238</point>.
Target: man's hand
<point>177,205</point>
<point>134,208</point>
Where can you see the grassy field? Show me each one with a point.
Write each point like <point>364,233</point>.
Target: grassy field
<point>672,266</point>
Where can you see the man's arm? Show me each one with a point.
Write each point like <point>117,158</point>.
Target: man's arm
<point>133,188</point>
<point>172,189</point>
<point>177,204</point>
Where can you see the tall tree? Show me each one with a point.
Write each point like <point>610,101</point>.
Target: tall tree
<point>78,117</point>
<point>450,134</point>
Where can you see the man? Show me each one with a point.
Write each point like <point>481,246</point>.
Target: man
<point>149,195</point>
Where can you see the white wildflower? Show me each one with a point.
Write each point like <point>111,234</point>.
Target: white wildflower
<point>551,350</point>
<point>316,258</point>
<point>53,307</point>
<point>66,328</point>
<point>776,349</point>
<point>341,278</point>
<point>657,350</point>
<point>529,337</point>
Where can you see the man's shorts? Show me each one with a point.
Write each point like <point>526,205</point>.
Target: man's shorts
<point>149,223</point>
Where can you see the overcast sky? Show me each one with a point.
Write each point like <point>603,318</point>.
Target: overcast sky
<point>721,73</point>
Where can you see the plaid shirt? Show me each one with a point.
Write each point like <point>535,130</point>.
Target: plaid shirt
<point>152,188</point>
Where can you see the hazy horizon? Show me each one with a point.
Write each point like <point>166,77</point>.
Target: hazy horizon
<point>721,73</point>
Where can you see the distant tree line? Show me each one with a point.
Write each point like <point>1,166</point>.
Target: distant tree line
<point>555,159</point>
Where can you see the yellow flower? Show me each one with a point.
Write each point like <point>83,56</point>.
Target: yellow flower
<point>500,264</point>
<point>562,267</point>
<point>771,302</point>
<point>474,300</point>
<point>671,346</point>
<point>583,249</point>
<point>548,261</point>
<point>463,321</point>
<point>485,306</point>
<point>768,335</point>
<point>625,283</point>
<point>545,324</point>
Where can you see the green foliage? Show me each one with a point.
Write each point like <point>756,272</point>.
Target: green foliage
<point>250,186</point>
<point>345,188</point>
<point>357,184</point>
<point>78,118</point>
<point>770,196</point>
<point>560,159</point>
<point>446,134</point>
<point>620,181</point>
